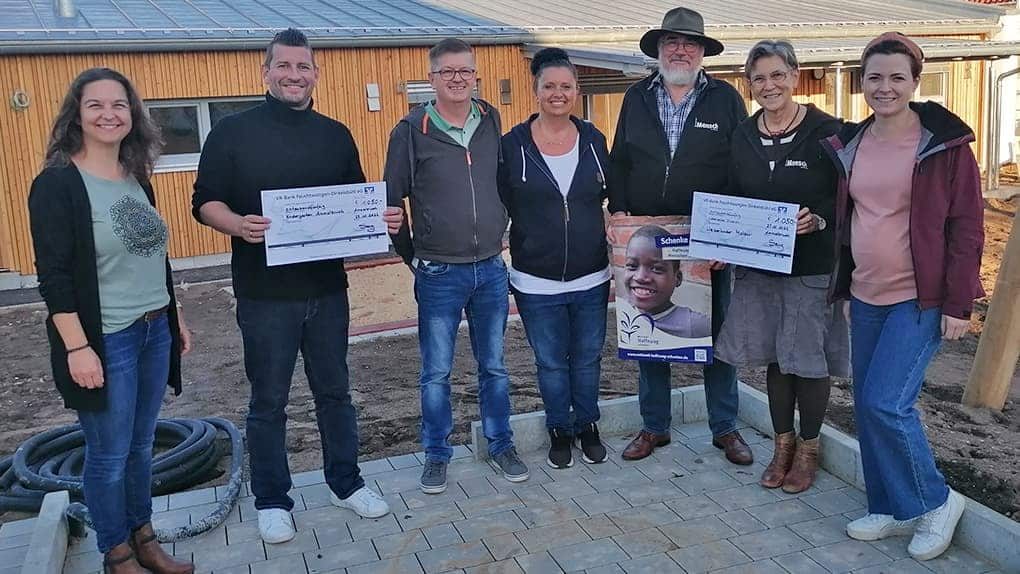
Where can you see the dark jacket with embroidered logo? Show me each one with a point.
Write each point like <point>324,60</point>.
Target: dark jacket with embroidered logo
<point>803,175</point>
<point>552,236</point>
<point>643,178</point>
<point>65,258</point>
<point>946,211</point>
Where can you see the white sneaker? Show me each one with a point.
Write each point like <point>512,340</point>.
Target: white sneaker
<point>364,502</point>
<point>276,525</point>
<point>879,526</point>
<point>935,529</point>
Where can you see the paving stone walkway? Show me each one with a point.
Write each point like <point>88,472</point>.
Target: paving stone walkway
<point>685,509</point>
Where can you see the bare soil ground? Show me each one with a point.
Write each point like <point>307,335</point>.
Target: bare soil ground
<point>979,451</point>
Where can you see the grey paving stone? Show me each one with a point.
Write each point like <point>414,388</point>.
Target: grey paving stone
<point>202,511</point>
<point>693,430</point>
<point>80,563</point>
<point>468,468</point>
<point>599,526</point>
<point>650,493</point>
<point>191,498</point>
<point>429,516</point>
<point>658,470</point>
<point>19,540</point>
<point>370,467</point>
<point>541,563</point>
<point>324,516</point>
<point>371,527</point>
<point>502,567</point>
<point>610,569</point>
<point>16,527</point>
<point>769,543</point>
<point>289,564</point>
<point>308,477</point>
<point>760,567</point>
<point>416,499</point>
<point>398,480</point>
<point>404,461</point>
<point>442,535</point>
<point>741,522</point>
<point>171,519</point>
<point>533,494</point>
<point>783,512</point>
<point>587,554</point>
<point>568,488</point>
<point>215,538</point>
<point>302,542</point>
<point>846,556</point>
<point>831,503</point>
<point>241,569</point>
<point>246,507</point>
<point>617,478</point>
<point>504,546</point>
<point>894,547</point>
<point>232,555</point>
<point>643,517</point>
<point>903,566</point>
<point>332,534</point>
<point>399,565</point>
<point>704,462</point>
<point>697,531</point>
<point>242,532</point>
<point>400,544</point>
<point>81,545</point>
<point>657,564</point>
<point>489,525</point>
<point>695,506</point>
<point>799,563</point>
<point>746,474</point>
<point>478,486</point>
<point>601,502</point>
<point>340,556</point>
<point>473,507</point>
<point>957,560</point>
<point>708,556</point>
<point>462,555</point>
<point>696,482</point>
<point>546,537</point>
<point>822,531</point>
<point>644,542</point>
<point>313,495</point>
<point>461,451</point>
<point>742,497</point>
<point>551,513</point>
<point>162,503</point>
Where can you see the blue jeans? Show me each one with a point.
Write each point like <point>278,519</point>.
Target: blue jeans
<point>443,292</point>
<point>567,332</point>
<point>273,331</point>
<point>892,346</point>
<point>118,440</point>
<point>721,395</point>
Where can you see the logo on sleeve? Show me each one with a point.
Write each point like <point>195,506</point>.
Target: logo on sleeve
<point>705,126</point>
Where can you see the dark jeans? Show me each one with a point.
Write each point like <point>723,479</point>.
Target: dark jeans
<point>273,331</point>
<point>721,395</point>
<point>892,346</point>
<point>444,291</point>
<point>118,440</point>
<point>567,332</point>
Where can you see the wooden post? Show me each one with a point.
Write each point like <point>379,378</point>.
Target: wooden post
<point>999,346</point>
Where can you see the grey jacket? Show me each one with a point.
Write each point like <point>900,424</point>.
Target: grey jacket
<point>457,213</point>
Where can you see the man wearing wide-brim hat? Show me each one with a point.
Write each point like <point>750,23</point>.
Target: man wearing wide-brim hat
<point>672,139</point>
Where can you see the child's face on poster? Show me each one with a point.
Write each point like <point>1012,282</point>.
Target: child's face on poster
<point>649,279</point>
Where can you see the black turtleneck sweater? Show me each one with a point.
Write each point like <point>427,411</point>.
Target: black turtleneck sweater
<point>272,146</point>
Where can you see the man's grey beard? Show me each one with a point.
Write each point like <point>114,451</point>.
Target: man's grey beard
<point>678,77</point>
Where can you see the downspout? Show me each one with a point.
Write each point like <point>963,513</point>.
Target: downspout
<point>66,9</point>
<point>995,132</point>
<point>839,92</point>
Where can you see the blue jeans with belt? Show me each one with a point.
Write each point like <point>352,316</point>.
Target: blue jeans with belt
<point>721,395</point>
<point>892,346</point>
<point>444,291</point>
<point>118,440</point>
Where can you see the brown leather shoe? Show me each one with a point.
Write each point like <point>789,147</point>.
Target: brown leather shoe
<point>735,448</point>
<point>805,465</point>
<point>152,556</point>
<point>782,459</point>
<point>121,560</point>
<point>643,445</point>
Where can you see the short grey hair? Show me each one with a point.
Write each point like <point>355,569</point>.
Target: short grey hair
<point>765,48</point>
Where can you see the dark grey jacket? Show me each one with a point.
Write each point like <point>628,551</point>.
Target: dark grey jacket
<point>455,206</point>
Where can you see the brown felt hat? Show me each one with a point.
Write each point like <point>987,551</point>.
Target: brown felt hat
<point>680,21</point>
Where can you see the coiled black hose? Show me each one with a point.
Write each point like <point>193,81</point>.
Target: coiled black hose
<point>187,454</point>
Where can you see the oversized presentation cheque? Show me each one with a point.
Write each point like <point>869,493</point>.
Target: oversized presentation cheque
<point>748,232</point>
<point>327,222</point>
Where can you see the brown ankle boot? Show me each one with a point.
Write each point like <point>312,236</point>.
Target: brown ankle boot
<point>805,465</point>
<point>121,560</point>
<point>782,459</point>
<point>152,556</point>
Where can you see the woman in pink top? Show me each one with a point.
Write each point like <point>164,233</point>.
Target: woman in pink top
<point>909,237</point>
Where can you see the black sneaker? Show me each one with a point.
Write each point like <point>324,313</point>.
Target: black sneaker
<point>559,449</point>
<point>433,477</point>
<point>511,465</point>
<point>592,450</point>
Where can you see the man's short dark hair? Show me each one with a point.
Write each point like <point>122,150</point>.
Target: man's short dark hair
<point>448,46</point>
<point>288,37</point>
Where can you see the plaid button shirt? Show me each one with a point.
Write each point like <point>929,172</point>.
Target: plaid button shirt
<point>674,116</point>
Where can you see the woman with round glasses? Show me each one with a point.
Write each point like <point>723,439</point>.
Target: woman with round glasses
<point>784,322</point>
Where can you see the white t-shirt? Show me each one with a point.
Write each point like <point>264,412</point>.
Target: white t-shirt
<point>563,167</point>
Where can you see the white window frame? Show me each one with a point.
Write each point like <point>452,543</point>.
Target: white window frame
<point>189,161</point>
<point>943,73</point>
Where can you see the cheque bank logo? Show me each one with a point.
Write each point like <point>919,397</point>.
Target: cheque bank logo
<point>634,324</point>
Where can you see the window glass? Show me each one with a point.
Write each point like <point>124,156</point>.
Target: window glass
<point>179,125</point>
<point>220,110</point>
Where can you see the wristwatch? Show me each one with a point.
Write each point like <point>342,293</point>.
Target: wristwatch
<point>819,221</point>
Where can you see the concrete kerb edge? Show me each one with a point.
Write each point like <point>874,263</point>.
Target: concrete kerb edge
<point>982,530</point>
<point>48,546</point>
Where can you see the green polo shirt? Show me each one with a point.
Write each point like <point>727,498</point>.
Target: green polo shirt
<point>459,135</point>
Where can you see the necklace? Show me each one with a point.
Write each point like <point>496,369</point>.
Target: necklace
<point>765,123</point>
<point>546,139</point>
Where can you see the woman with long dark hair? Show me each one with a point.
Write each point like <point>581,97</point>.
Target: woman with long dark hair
<point>115,332</point>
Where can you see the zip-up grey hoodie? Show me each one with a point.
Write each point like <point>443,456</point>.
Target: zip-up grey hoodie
<point>457,213</point>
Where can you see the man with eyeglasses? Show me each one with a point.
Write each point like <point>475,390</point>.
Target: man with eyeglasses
<point>444,156</point>
<point>672,139</point>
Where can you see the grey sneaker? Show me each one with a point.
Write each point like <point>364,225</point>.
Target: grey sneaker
<point>511,465</point>
<point>433,477</point>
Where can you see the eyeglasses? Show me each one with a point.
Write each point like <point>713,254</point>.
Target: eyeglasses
<point>685,44</point>
<point>448,74</point>
<point>777,77</point>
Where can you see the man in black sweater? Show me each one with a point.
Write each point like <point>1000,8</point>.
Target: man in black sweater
<point>281,144</point>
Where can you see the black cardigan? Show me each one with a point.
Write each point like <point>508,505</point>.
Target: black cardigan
<point>61,220</point>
